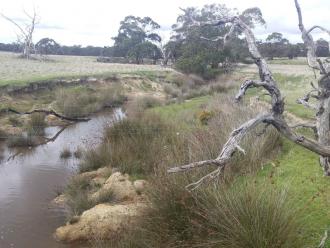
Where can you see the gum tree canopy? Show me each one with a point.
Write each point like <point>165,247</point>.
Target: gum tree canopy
<point>274,117</point>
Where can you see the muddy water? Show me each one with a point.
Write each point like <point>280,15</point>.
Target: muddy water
<point>29,181</point>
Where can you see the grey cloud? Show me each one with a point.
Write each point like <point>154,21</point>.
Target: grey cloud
<point>47,26</point>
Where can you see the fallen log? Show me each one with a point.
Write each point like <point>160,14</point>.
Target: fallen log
<point>46,112</point>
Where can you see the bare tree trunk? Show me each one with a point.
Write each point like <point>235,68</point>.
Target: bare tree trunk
<point>26,31</point>
<point>323,97</point>
<point>323,126</point>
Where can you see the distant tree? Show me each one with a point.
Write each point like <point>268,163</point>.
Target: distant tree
<point>194,46</point>
<point>13,47</point>
<point>322,48</point>
<point>293,51</point>
<point>136,37</point>
<point>276,46</point>
<point>26,31</point>
<point>47,46</point>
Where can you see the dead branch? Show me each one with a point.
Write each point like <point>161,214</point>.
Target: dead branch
<point>318,27</point>
<point>324,239</point>
<point>46,112</point>
<point>225,38</point>
<point>305,101</point>
<point>306,125</point>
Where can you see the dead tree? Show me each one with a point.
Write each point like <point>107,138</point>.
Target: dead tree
<point>275,117</point>
<point>26,32</point>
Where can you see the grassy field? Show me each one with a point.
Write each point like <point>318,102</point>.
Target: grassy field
<point>20,71</point>
<point>296,169</point>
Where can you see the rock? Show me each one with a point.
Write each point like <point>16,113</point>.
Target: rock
<point>121,187</point>
<point>103,172</point>
<point>140,186</point>
<point>102,220</point>
<point>98,181</point>
<point>60,200</point>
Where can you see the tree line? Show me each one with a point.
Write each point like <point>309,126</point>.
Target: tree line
<point>192,48</point>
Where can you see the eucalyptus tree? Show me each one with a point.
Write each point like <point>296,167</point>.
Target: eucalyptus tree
<point>137,38</point>
<point>196,55</point>
<point>320,144</point>
<point>47,46</point>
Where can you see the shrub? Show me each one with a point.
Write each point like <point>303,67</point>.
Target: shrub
<point>204,116</point>
<point>192,65</point>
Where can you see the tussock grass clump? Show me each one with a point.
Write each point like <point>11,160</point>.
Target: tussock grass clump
<point>241,215</point>
<point>21,141</point>
<point>183,87</point>
<point>148,102</point>
<point>78,153</point>
<point>36,124</point>
<point>95,158</point>
<point>81,101</point>
<point>106,196</point>
<point>131,145</point>
<point>77,195</point>
<point>250,215</point>
<point>136,145</point>
<point>65,153</point>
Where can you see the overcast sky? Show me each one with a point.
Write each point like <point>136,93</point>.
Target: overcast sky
<point>87,22</point>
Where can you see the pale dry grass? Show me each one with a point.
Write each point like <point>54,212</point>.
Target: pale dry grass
<point>283,68</point>
<point>21,71</point>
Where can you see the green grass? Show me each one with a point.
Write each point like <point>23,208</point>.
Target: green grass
<point>183,111</point>
<point>295,167</point>
<point>286,61</point>
<point>15,71</point>
<point>299,169</point>
<point>292,87</point>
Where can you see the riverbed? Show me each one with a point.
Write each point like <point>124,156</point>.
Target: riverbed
<point>31,179</point>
